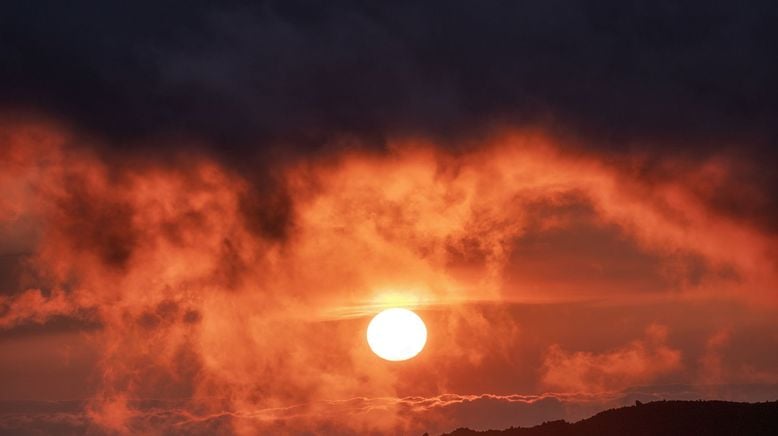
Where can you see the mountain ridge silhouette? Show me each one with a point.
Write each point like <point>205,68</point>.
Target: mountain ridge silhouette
<point>710,418</point>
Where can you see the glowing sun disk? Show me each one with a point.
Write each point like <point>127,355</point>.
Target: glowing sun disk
<point>396,334</point>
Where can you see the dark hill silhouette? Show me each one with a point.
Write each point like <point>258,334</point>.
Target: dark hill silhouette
<point>709,418</point>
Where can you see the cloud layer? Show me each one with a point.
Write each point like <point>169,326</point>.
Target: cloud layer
<point>202,207</point>
<point>186,294</point>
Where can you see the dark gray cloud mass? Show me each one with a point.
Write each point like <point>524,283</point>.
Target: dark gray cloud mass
<point>245,74</point>
<point>255,81</point>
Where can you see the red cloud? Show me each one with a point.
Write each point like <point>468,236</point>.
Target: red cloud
<point>197,301</point>
<point>639,362</point>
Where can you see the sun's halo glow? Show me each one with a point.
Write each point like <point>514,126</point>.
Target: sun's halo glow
<point>396,334</point>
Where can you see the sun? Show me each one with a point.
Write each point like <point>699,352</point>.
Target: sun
<point>396,334</point>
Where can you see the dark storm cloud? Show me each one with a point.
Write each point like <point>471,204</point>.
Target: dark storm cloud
<point>257,81</point>
<point>243,73</point>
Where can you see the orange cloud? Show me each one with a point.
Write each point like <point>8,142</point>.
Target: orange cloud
<point>639,362</point>
<point>198,300</point>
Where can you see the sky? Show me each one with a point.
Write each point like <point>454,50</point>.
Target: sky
<point>203,206</point>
